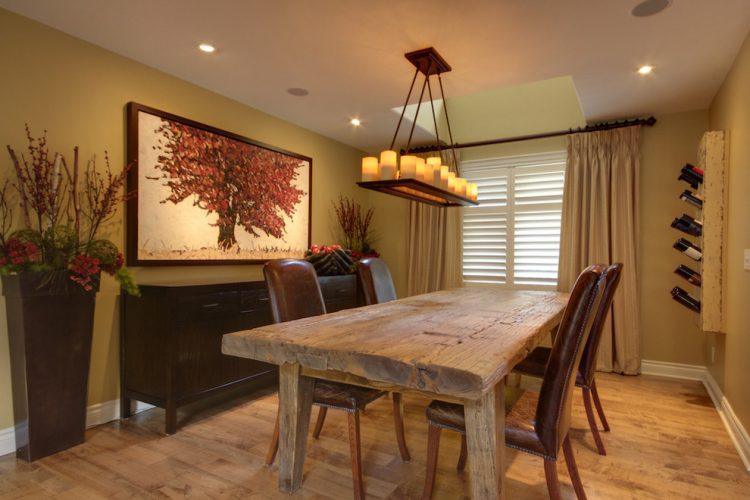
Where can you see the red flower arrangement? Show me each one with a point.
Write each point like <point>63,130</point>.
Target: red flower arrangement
<point>63,210</point>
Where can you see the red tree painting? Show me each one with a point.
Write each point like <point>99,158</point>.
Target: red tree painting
<point>243,184</point>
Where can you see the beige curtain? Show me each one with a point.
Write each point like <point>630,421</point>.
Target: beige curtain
<point>600,225</point>
<point>434,244</point>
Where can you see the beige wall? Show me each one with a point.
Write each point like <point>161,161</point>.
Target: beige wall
<point>730,111</point>
<point>78,92</point>
<point>669,331</point>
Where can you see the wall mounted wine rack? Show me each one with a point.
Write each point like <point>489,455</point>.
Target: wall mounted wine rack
<point>706,198</point>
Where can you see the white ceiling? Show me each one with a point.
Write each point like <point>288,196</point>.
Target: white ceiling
<point>349,53</point>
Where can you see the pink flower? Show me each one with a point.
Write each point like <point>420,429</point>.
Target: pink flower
<point>83,269</point>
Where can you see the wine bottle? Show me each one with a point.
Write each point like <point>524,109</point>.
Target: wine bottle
<point>690,179</point>
<point>686,299</point>
<point>691,276</point>
<point>688,225</point>
<point>695,169</point>
<point>693,198</point>
<point>692,251</point>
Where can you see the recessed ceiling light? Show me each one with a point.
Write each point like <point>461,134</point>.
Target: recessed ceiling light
<point>299,92</point>
<point>649,7</point>
<point>645,69</point>
<point>355,121</point>
<point>207,48</point>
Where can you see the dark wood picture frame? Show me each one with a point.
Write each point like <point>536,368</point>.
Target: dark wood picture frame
<point>132,257</point>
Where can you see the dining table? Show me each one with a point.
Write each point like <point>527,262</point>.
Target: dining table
<point>456,345</point>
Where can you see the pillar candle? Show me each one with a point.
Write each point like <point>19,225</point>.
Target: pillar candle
<point>369,169</point>
<point>461,186</point>
<point>428,169</point>
<point>420,169</point>
<point>387,165</point>
<point>436,180</point>
<point>472,191</point>
<point>451,181</point>
<point>408,167</point>
<point>444,176</point>
<point>434,161</point>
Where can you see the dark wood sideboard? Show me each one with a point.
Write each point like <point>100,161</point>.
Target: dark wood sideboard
<point>170,345</point>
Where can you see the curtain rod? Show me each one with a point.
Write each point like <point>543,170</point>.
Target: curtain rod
<point>650,121</point>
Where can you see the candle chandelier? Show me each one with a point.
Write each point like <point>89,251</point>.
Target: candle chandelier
<point>419,179</point>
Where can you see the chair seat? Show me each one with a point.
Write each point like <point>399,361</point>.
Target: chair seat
<point>344,396</point>
<point>520,411</point>
<point>536,362</point>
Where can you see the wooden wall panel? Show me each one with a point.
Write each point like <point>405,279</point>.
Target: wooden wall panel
<point>712,159</point>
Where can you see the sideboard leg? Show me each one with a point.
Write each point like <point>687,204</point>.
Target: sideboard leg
<point>125,411</point>
<point>170,418</point>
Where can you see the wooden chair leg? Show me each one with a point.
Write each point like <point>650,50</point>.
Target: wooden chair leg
<point>398,421</point>
<point>570,462</point>
<point>433,444</point>
<point>319,423</point>
<point>274,446</point>
<point>462,457</point>
<point>592,421</point>
<point>553,483</point>
<point>355,450</point>
<point>598,405</point>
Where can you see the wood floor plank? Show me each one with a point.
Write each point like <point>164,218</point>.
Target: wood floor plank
<point>667,441</point>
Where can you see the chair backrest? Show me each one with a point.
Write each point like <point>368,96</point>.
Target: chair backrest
<point>294,289</point>
<point>375,281</point>
<point>587,368</point>
<point>553,409</point>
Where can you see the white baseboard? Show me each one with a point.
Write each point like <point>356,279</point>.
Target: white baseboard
<point>673,370</point>
<point>737,432</point>
<point>96,414</point>
<point>7,441</point>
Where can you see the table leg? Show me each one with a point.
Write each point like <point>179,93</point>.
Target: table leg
<point>485,437</point>
<point>295,405</point>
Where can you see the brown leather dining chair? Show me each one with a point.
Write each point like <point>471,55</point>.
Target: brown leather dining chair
<point>376,284</point>
<point>537,423</point>
<point>294,293</point>
<point>536,362</point>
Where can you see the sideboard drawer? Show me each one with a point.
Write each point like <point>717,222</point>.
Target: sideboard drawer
<point>336,288</point>
<point>207,306</point>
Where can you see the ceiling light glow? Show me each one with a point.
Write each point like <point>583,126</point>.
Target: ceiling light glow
<point>355,121</point>
<point>207,48</point>
<point>645,70</point>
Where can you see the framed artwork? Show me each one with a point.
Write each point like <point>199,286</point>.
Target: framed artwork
<point>207,196</point>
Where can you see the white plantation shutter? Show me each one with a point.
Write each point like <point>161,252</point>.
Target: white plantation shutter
<point>513,237</point>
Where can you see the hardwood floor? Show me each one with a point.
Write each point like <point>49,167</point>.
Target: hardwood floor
<point>667,441</point>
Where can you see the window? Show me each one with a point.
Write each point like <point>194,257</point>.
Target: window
<point>513,237</point>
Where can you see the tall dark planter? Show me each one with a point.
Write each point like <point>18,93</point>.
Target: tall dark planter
<point>50,325</point>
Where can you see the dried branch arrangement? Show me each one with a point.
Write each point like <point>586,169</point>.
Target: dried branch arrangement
<point>355,226</point>
<point>63,209</point>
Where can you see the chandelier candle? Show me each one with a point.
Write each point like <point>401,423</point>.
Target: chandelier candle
<point>433,163</point>
<point>420,169</point>
<point>444,176</point>
<point>408,167</point>
<point>461,186</point>
<point>370,169</point>
<point>387,165</point>
<point>451,181</point>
